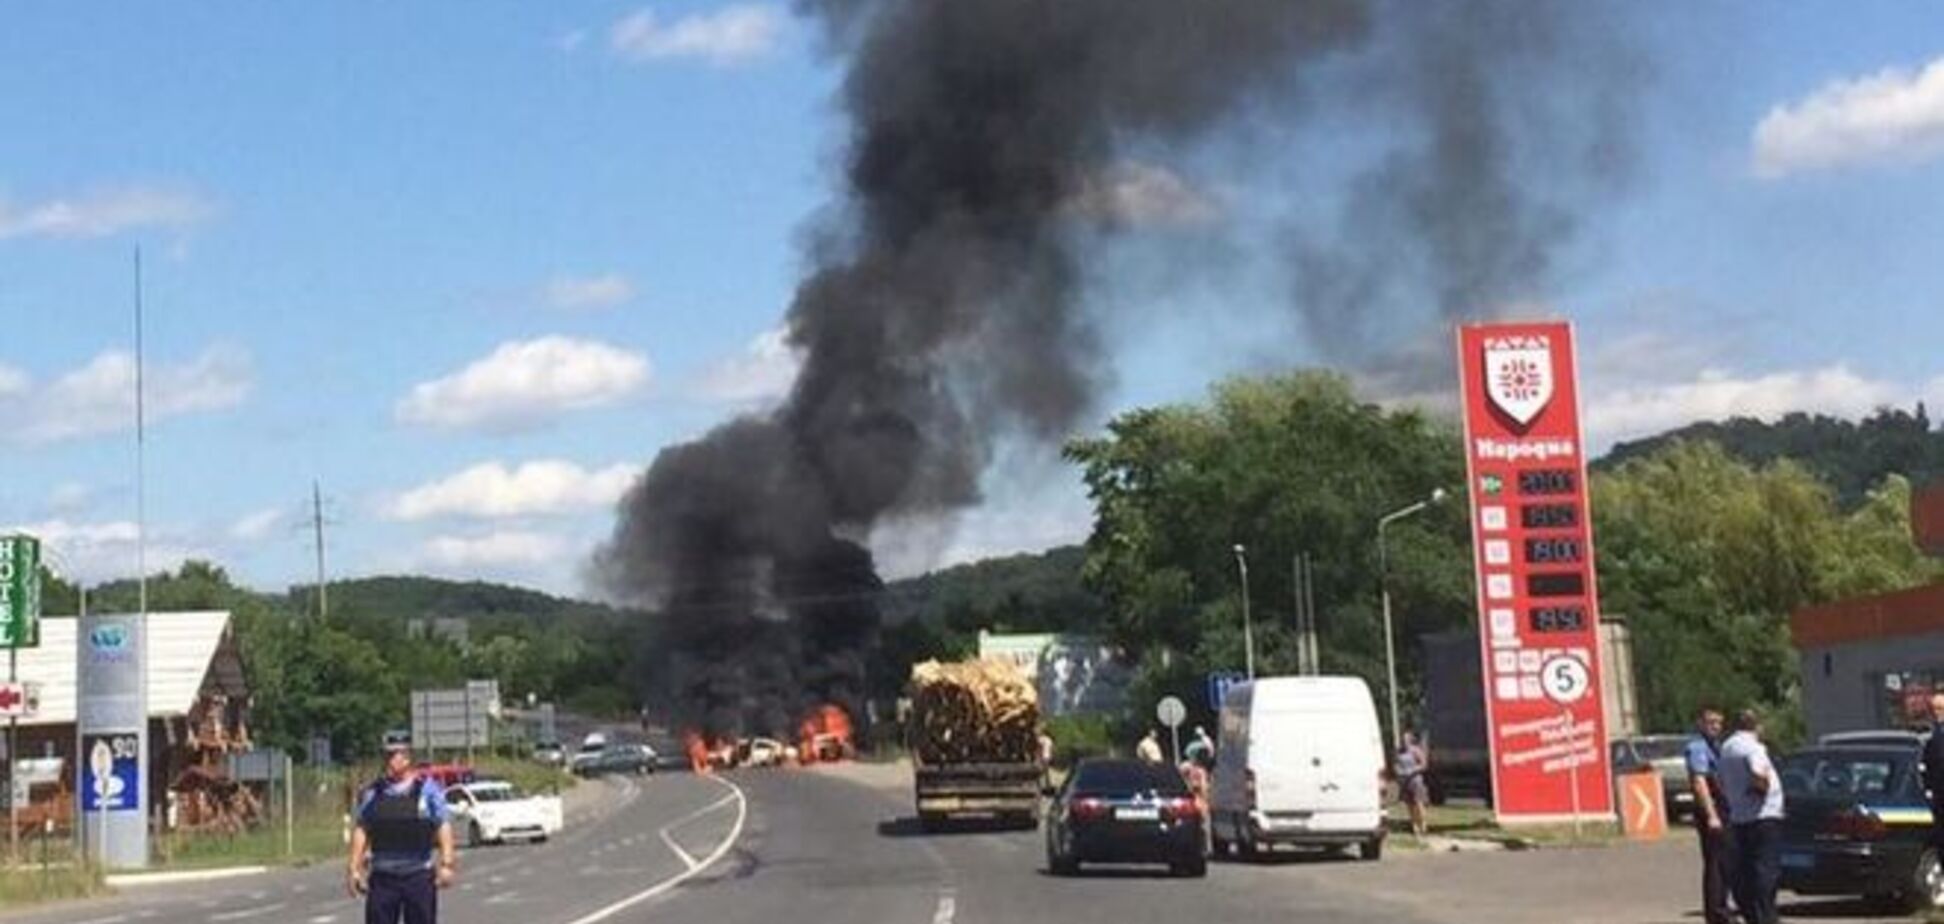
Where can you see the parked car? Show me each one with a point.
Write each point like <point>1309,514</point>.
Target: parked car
<point>589,753</point>
<point>1857,824</point>
<point>1125,811</point>
<point>1301,763</point>
<point>550,753</point>
<point>1886,737</point>
<point>494,811</point>
<point>638,759</point>
<point>1665,755</point>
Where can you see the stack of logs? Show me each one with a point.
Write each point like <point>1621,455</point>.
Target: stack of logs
<point>981,711</point>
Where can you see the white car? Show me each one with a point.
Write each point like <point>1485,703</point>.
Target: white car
<point>492,811</point>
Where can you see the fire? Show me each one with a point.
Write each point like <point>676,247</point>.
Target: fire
<point>697,750</point>
<point>825,735</point>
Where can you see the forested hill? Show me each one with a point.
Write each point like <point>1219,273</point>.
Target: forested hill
<point>1032,592</point>
<point>1850,456</point>
<point>405,597</point>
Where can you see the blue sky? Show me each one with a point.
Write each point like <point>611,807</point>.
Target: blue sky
<point>470,266</point>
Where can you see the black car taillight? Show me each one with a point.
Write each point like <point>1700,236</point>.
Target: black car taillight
<point>1857,824</point>
<point>1180,809</point>
<point>1087,807</point>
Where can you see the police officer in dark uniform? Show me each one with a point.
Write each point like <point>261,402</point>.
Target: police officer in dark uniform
<point>1933,768</point>
<point>1703,755</point>
<point>402,850</point>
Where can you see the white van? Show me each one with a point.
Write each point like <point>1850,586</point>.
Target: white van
<point>1300,761</point>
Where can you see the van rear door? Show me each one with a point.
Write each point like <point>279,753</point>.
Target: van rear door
<point>1315,763</point>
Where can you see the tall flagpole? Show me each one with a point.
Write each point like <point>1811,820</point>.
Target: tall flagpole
<point>141,460</point>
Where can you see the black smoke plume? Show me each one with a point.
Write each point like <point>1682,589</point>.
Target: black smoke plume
<point>944,310</point>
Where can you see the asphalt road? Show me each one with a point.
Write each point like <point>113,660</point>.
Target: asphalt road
<point>838,845</point>
<point>634,835</point>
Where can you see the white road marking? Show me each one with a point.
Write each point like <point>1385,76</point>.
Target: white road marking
<point>947,906</point>
<point>687,860</point>
<point>502,898</point>
<point>323,919</point>
<point>247,913</point>
<point>721,850</point>
<point>111,919</point>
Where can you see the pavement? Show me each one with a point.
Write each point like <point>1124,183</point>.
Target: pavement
<point>838,844</point>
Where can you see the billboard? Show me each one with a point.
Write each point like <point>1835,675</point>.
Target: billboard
<point>1532,544</point>
<point>112,719</point>
<point>20,590</point>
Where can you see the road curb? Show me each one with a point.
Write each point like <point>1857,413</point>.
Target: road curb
<point>132,880</point>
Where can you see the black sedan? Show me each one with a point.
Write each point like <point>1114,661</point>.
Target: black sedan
<point>1123,811</point>
<point>638,759</point>
<point>1857,825</point>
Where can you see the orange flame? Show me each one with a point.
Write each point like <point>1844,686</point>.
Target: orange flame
<point>825,734</point>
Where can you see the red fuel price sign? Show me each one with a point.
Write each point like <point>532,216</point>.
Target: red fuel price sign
<point>1533,546</point>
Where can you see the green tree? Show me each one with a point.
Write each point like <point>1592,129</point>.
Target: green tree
<point>1707,556</point>
<point>1284,465</point>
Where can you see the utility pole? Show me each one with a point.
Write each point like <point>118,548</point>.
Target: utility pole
<point>317,530</point>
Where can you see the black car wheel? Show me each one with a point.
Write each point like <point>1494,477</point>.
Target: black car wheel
<point>1372,849</point>
<point>1192,868</point>
<point>1926,889</point>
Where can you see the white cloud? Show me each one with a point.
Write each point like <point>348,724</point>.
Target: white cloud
<point>13,381</point>
<point>1893,116</point>
<point>538,488</point>
<point>254,526</point>
<point>524,382</point>
<point>100,397</point>
<point>69,497</point>
<point>1138,195</point>
<point>731,35</point>
<point>104,212</point>
<point>761,374</point>
<point>601,291</point>
<point>1623,413</point>
<point>106,550</point>
<point>514,549</point>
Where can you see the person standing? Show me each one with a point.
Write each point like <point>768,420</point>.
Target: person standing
<point>1753,790</point>
<point>1934,769</point>
<point>402,823</point>
<point>1149,749</point>
<point>1710,816</point>
<point>1412,789</point>
<point>1201,747</point>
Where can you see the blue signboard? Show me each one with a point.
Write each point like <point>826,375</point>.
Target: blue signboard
<point>1218,687</point>
<point>111,773</point>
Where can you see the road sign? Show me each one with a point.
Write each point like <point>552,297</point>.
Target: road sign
<point>1532,545</point>
<point>20,591</point>
<point>1171,711</point>
<point>19,700</point>
<point>1219,684</point>
<point>454,719</point>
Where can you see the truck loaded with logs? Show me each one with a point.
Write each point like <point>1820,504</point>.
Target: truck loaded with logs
<point>973,732</point>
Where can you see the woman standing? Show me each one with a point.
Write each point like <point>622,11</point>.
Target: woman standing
<point>1411,788</point>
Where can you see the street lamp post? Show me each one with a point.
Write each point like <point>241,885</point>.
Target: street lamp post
<point>1383,580</point>
<point>1248,630</point>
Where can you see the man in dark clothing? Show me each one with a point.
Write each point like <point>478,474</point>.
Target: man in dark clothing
<point>402,821</point>
<point>1934,769</point>
<point>1710,817</point>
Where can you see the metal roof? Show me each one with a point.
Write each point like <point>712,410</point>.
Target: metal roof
<point>182,649</point>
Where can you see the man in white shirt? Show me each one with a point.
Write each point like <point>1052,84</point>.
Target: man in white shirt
<point>1753,791</point>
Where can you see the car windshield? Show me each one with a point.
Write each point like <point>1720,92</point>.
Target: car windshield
<point>495,794</point>
<point>1128,776</point>
<point>1828,774</point>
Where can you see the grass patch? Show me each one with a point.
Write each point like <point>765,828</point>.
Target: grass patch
<point>314,837</point>
<point>530,776</point>
<point>27,885</point>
